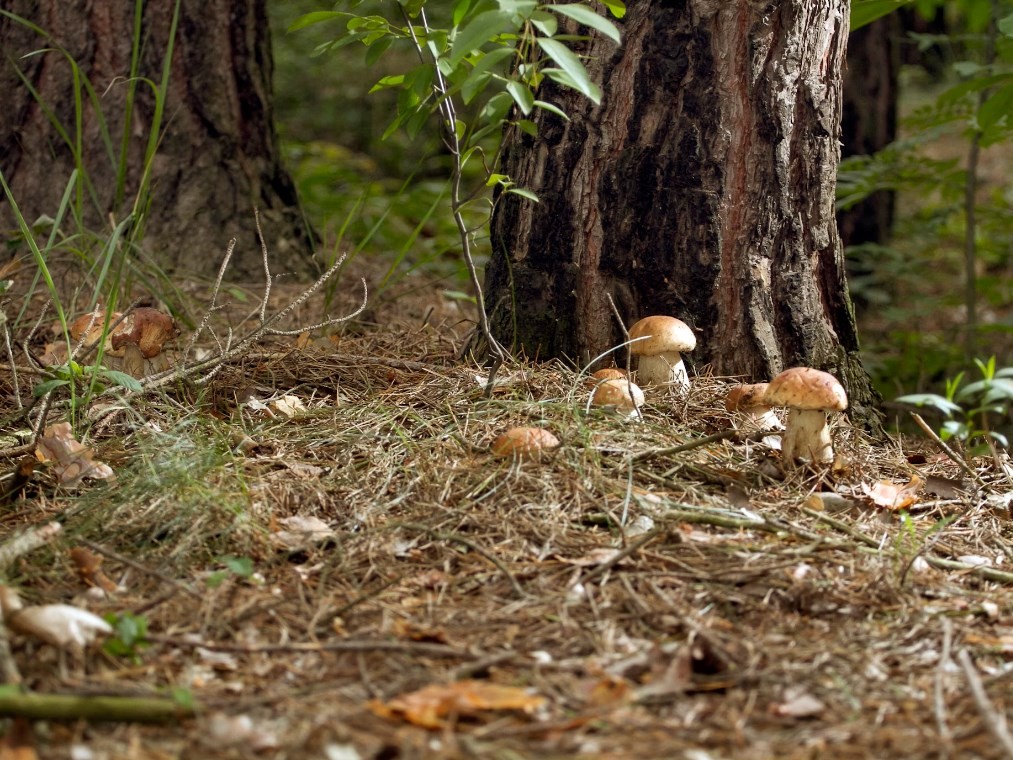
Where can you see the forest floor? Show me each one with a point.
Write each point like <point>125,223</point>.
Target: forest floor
<point>330,563</point>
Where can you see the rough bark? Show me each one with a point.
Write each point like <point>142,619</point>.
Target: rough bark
<point>869,121</point>
<point>701,187</point>
<point>218,157</point>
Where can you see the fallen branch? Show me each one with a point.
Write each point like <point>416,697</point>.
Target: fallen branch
<point>15,703</point>
<point>994,721</point>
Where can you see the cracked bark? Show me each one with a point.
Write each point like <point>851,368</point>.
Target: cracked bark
<point>218,157</point>
<point>701,187</point>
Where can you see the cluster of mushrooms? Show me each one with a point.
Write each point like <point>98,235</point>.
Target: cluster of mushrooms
<point>659,342</point>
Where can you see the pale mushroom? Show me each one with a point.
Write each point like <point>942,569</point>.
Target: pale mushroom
<point>659,341</point>
<point>746,400</point>
<point>809,394</point>
<point>525,443</point>
<point>622,395</point>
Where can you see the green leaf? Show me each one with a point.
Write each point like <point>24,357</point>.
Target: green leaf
<point>49,385</point>
<point>522,8</point>
<point>496,109</point>
<point>461,8</point>
<point>545,23</point>
<point>528,127</point>
<point>385,83</point>
<point>314,18</point>
<point>567,60</point>
<point>523,193</point>
<point>997,107</point>
<point>1006,25</point>
<point>480,30</point>
<point>522,96</point>
<point>496,179</point>
<point>616,7</point>
<point>551,109</point>
<point>932,400</point>
<point>377,49</point>
<point>558,75</point>
<point>864,12</point>
<point>122,379</point>
<point>582,14</point>
<point>480,75</point>
<point>241,566</point>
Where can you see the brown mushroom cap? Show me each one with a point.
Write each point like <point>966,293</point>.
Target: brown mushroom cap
<point>524,442</point>
<point>661,334</point>
<point>807,389</point>
<point>621,393</point>
<point>609,373</point>
<point>746,396</point>
<point>146,328</point>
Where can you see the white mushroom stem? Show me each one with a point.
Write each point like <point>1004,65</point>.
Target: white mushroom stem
<point>765,418</point>
<point>807,436</point>
<point>661,369</point>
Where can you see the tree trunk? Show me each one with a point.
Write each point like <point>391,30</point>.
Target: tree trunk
<point>869,121</point>
<point>218,156</point>
<point>702,187</point>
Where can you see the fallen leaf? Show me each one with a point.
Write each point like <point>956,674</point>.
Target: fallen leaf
<point>302,533</point>
<point>798,703</point>
<point>409,631</point>
<point>945,488</point>
<point>18,742</point>
<point>72,460</point>
<point>893,496</point>
<point>430,706</point>
<point>288,405</point>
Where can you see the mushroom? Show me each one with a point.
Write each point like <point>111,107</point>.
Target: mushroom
<point>135,340</point>
<point>747,400</point>
<point>623,395</point>
<point>658,341</point>
<point>809,394</point>
<point>524,443</point>
<point>597,377</point>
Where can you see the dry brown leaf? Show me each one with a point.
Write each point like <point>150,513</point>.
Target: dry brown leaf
<point>430,706</point>
<point>89,569</point>
<point>289,405</point>
<point>893,496</point>
<point>302,533</point>
<point>407,630</point>
<point>18,743</point>
<point>72,460</point>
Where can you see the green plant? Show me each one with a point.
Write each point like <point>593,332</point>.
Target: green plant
<point>971,410</point>
<point>130,635</point>
<point>478,70</point>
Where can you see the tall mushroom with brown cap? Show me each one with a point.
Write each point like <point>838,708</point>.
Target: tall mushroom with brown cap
<point>809,394</point>
<point>659,341</point>
<point>747,400</point>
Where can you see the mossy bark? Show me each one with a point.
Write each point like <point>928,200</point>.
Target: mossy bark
<point>702,187</point>
<point>218,156</point>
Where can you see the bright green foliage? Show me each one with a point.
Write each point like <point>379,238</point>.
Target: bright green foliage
<point>130,635</point>
<point>972,409</point>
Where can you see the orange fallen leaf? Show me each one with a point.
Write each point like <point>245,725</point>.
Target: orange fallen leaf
<point>893,496</point>
<point>430,706</point>
<point>72,460</point>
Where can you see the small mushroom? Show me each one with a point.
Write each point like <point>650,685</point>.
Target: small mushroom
<point>809,394</point>
<point>525,443</point>
<point>747,400</point>
<point>661,343</point>
<point>135,340</point>
<point>623,395</point>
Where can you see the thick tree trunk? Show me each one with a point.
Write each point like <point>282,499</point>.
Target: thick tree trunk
<point>218,158</point>
<point>702,187</point>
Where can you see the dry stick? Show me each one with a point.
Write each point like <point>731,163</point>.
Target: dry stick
<point>994,720</point>
<point>618,557</point>
<point>737,436</point>
<point>348,645</point>
<point>141,568</point>
<point>14,368</point>
<point>518,589</point>
<point>30,540</point>
<point>18,704</point>
<point>939,697</point>
<point>946,449</point>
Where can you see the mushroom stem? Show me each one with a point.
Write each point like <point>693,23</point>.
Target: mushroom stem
<point>661,369</point>
<point>807,436</point>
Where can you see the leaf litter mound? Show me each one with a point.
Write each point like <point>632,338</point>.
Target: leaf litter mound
<point>318,549</point>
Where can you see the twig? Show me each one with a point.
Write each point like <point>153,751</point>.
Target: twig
<point>348,645</point>
<point>737,436</point>
<point>618,557</point>
<point>994,721</point>
<point>939,697</point>
<point>141,568</point>
<point>946,449</point>
<point>29,541</point>
<point>26,704</point>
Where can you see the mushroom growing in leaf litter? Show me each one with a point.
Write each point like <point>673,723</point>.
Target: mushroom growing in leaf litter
<point>747,401</point>
<point>623,395</point>
<point>808,394</point>
<point>659,341</point>
<point>135,340</point>
<point>525,443</point>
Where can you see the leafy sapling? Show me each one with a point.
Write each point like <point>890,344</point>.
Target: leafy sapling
<point>487,59</point>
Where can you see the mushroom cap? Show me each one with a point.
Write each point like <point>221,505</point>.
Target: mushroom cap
<point>524,442</point>
<point>621,393</point>
<point>661,334</point>
<point>609,373</point>
<point>746,396</point>
<point>144,327</point>
<point>807,389</point>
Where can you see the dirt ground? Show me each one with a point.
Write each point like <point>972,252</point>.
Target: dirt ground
<point>661,588</point>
